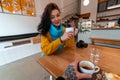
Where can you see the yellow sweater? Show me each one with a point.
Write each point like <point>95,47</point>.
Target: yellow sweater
<point>48,46</point>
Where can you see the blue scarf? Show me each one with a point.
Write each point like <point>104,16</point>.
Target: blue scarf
<point>56,33</point>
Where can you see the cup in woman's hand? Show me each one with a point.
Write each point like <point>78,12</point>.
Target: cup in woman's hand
<point>70,29</point>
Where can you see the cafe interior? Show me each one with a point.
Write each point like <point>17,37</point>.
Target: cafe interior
<point>96,44</point>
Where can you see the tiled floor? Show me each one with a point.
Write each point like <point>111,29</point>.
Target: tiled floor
<point>24,69</point>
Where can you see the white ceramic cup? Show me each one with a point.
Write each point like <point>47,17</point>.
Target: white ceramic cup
<point>92,68</point>
<point>70,29</point>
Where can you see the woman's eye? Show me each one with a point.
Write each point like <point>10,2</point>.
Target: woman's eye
<point>52,17</point>
<point>58,15</point>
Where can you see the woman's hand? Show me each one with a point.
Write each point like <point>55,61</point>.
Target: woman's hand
<point>75,31</point>
<point>67,36</point>
<point>73,73</point>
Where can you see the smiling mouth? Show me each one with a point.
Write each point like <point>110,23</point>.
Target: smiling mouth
<point>57,23</point>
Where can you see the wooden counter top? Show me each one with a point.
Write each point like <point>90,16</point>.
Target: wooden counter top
<point>105,41</point>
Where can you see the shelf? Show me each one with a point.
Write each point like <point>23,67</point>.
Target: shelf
<point>105,28</point>
<point>85,15</point>
<point>106,20</point>
<point>101,1</point>
<point>109,16</point>
<point>16,37</point>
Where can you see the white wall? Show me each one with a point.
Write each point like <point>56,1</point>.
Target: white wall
<point>69,7</point>
<point>17,24</point>
<point>109,34</point>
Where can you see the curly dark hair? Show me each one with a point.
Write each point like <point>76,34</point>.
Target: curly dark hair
<point>44,25</point>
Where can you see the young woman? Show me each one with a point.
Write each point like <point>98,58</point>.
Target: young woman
<point>53,35</point>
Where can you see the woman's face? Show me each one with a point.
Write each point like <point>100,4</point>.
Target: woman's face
<point>55,17</point>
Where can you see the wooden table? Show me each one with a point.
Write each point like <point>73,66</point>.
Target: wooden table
<point>57,63</point>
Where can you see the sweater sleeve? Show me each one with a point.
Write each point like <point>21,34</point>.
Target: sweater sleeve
<point>49,47</point>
